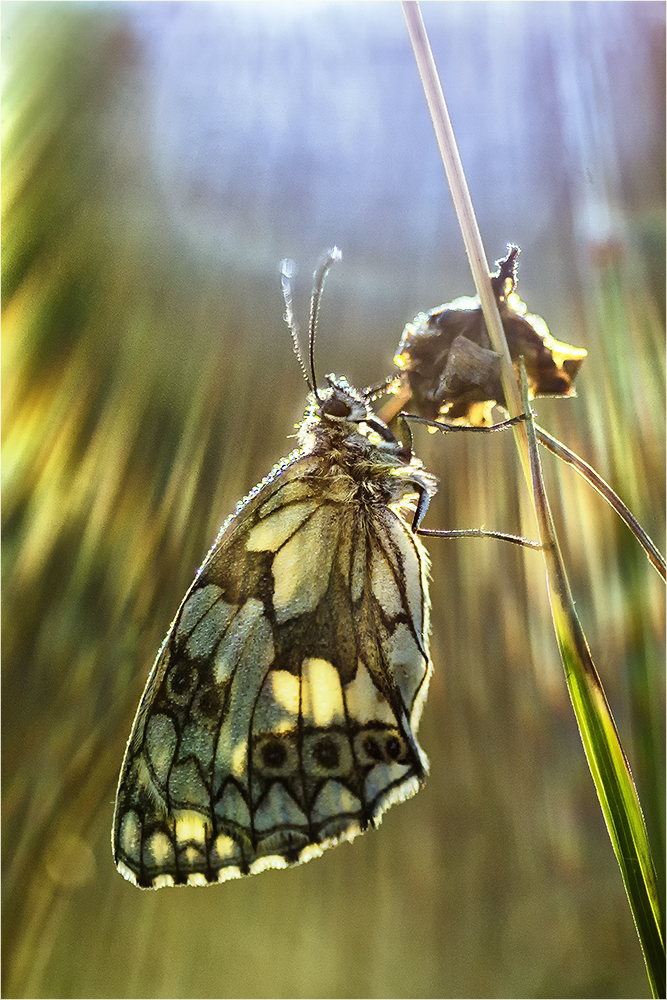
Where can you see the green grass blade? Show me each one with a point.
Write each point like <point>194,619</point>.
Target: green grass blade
<point>607,761</point>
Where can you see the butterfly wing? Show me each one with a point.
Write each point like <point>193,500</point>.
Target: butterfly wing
<point>279,717</point>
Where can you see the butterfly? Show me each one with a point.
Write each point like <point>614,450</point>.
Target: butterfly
<point>281,713</point>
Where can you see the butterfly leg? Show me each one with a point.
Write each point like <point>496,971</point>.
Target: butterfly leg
<point>423,501</point>
<point>446,428</point>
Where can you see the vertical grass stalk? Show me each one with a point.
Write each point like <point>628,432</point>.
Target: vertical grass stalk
<point>604,753</point>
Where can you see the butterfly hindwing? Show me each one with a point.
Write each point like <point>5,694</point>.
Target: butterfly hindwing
<point>280,714</point>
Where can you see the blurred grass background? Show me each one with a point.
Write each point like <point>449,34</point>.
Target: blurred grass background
<point>159,160</point>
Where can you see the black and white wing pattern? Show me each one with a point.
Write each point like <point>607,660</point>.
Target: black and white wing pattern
<point>281,712</point>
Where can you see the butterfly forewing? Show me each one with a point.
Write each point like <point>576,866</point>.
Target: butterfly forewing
<point>280,714</point>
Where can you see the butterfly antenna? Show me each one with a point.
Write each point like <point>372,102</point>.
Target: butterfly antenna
<point>330,257</point>
<point>287,271</point>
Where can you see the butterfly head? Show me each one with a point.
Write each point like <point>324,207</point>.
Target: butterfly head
<point>340,402</point>
<point>338,415</point>
<point>341,411</point>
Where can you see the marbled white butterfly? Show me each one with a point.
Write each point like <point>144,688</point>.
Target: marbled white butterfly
<point>280,714</point>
